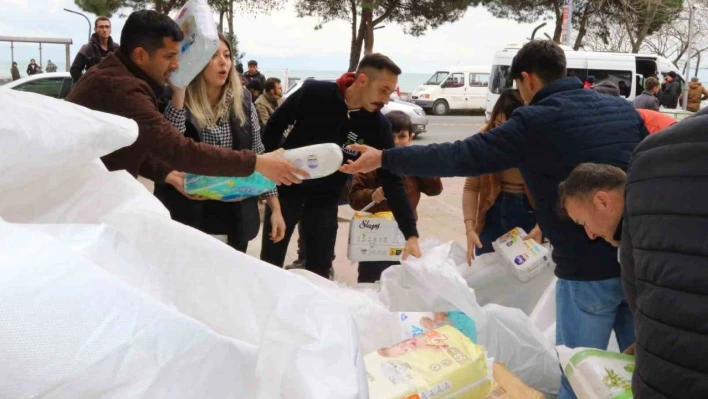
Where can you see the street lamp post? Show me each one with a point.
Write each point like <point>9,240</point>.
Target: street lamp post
<point>87,20</point>
<point>688,54</point>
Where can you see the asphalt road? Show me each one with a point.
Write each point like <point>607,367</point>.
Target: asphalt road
<point>450,128</point>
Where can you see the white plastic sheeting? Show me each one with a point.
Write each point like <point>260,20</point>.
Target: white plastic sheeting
<point>102,294</point>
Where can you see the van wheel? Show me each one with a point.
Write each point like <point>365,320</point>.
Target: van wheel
<point>440,108</point>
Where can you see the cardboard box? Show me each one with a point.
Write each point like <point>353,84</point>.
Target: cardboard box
<point>509,386</point>
<point>375,238</point>
<point>438,364</point>
<point>527,259</point>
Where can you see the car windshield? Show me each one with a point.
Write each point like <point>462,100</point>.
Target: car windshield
<point>500,79</point>
<point>437,78</point>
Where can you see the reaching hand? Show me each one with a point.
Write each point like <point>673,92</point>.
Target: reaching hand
<point>378,195</point>
<point>369,160</point>
<point>536,234</point>
<point>472,242</point>
<point>277,222</point>
<point>411,248</point>
<point>276,168</point>
<point>176,180</point>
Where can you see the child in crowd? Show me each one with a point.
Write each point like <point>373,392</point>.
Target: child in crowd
<point>366,188</point>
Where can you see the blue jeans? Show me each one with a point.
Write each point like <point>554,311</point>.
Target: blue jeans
<point>586,314</point>
<point>510,210</point>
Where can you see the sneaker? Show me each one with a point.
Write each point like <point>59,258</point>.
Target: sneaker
<point>298,264</point>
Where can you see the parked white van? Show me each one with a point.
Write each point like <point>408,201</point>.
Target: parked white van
<point>454,88</point>
<point>628,71</point>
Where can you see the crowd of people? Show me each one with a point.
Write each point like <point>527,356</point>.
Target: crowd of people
<point>553,159</point>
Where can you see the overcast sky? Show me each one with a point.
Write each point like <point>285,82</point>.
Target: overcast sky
<point>282,40</point>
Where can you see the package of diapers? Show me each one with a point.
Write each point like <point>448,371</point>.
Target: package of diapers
<point>597,374</point>
<point>527,258</point>
<point>201,40</point>
<point>319,160</point>
<point>227,188</point>
<point>414,324</point>
<point>438,364</point>
<point>374,238</point>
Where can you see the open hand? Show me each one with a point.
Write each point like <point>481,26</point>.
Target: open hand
<point>472,242</point>
<point>369,160</point>
<point>536,234</point>
<point>276,168</point>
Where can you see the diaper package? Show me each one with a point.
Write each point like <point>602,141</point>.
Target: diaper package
<point>438,364</point>
<point>227,188</point>
<point>509,386</point>
<point>319,160</point>
<point>200,42</point>
<point>527,259</point>
<point>375,238</point>
<point>414,324</point>
<point>597,374</point>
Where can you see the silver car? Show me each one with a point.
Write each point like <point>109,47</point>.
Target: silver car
<point>415,112</point>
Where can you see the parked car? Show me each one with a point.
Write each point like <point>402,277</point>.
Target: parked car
<point>53,84</point>
<point>416,113</point>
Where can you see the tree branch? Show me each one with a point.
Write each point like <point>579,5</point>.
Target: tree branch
<point>392,4</point>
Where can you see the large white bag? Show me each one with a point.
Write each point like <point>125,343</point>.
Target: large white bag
<point>69,329</point>
<point>200,42</point>
<point>286,338</point>
<point>434,284</point>
<point>39,135</point>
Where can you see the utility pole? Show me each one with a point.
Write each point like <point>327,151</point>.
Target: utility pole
<point>569,30</point>
<point>688,54</point>
<point>87,20</point>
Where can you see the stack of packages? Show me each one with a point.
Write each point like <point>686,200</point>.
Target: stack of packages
<point>103,295</point>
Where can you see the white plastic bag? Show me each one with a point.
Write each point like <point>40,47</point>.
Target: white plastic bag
<point>69,329</point>
<point>201,40</point>
<point>434,284</point>
<point>40,135</point>
<point>596,374</point>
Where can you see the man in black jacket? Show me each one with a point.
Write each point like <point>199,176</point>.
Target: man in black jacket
<point>96,50</point>
<point>254,74</point>
<point>344,113</point>
<point>664,256</point>
<point>670,91</point>
<point>561,127</point>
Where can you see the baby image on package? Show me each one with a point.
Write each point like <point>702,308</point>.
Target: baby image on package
<point>417,323</point>
<point>443,363</point>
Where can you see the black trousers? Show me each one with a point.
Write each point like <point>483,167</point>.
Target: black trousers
<point>237,243</point>
<point>370,272</point>
<point>318,215</point>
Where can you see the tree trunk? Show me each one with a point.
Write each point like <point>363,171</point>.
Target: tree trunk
<point>644,32</point>
<point>367,17</point>
<point>559,22</point>
<point>357,38</point>
<point>698,62</point>
<point>582,27</point>
<point>221,20</point>
<point>230,18</point>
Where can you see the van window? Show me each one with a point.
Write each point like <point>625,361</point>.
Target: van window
<point>479,79</point>
<point>455,80</point>
<point>500,79</point>
<point>623,79</point>
<point>578,73</point>
<point>437,78</point>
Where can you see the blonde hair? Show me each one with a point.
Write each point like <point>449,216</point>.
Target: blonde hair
<point>197,101</point>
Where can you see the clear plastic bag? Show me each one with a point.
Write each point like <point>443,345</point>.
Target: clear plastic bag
<point>200,42</point>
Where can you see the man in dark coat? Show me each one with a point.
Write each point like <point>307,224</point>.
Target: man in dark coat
<point>670,91</point>
<point>561,127</point>
<point>92,53</point>
<point>664,256</point>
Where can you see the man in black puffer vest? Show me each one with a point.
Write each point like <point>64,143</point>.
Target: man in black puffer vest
<point>92,53</point>
<point>664,257</point>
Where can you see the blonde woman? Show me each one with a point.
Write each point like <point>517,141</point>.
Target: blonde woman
<point>215,109</point>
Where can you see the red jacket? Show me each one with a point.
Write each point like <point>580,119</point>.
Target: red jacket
<point>656,121</point>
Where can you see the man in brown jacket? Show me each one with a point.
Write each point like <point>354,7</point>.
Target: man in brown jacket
<point>270,100</point>
<point>367,188</point>
<point>129,81</point>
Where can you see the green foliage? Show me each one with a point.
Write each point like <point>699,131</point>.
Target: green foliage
<point>104,8</point>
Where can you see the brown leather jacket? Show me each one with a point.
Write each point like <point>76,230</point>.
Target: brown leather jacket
<point>485,193</point>
<point>117,86</point>
<point>366,183</point>
<point>696,94</point>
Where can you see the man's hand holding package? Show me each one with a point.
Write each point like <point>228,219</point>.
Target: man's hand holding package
<point>378,195</point>
<point>369,160</point>
<point>276,168</point>
<point>411,248</point>
<point>536,234</point>
<point>176,180</point>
